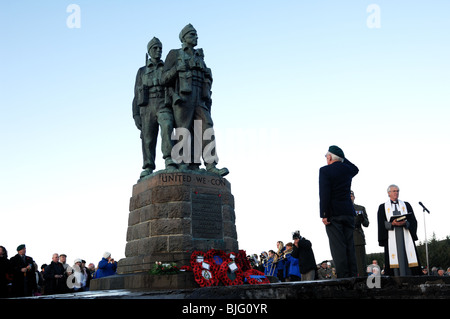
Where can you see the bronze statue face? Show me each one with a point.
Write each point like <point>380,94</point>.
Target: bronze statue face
<point>155,52</point>
<point>191,38</point>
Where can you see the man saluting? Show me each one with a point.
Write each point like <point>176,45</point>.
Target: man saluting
<point>337,211</point>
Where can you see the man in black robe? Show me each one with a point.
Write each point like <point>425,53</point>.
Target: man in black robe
<point>397,235</point>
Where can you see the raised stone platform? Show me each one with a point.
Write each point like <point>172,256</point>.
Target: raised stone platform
<point>392,288</point>
<point>171,215</point>
<point>145,281</point>
<point>397,297</point>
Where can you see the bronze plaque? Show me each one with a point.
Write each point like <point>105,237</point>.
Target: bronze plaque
<point>207,220</point>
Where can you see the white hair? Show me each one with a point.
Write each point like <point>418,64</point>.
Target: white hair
<point>335,157</point>
<point>392,185</point>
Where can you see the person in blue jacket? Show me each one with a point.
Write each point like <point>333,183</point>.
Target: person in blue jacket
<point>269,266</point>
<point>280,261</point>
<point>106,267</point>
<point>291,268</point>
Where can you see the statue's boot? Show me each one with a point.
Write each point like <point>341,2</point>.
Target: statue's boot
<point>146,172</point>
<point>219,171</point>
<point>170,165</point>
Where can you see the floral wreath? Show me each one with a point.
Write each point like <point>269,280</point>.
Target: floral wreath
<point>232,256</point>
<point>242,261</point>
<point>185,268</point>
<point>204,277</point>
<point>225,279</point>
<point>255,277</point>
<point>216,258</point>
<point>194,257</point>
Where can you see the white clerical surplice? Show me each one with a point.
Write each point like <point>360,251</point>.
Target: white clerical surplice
<point>399,209</point>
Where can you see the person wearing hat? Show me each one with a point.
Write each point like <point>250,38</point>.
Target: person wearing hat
<point>150,111</point>
<point>80,275</point>
<point>361,219</point>
<point>106,267</point>
<point>337,211</point>
<point>302,250</point>
<point>24,278</point>
<point>189,79</point>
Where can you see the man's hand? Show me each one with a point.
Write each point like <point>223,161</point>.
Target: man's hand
<point>399,224</point>
<point>325,221</point>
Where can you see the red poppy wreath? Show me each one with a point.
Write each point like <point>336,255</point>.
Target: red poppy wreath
<point>197,257</point>
<point>255,277</point>
<point>230,274</point>
<point>204,277</point>
<point>216,258</point>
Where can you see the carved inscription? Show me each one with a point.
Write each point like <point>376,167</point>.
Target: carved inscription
<point>207,220</point>
<point>185,178</point>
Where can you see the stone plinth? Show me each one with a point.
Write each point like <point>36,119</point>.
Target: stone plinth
<point>173,214</point>
<point>183,280</point>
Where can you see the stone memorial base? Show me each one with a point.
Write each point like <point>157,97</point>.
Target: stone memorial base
<point>172,215</point>
<point>144,281</point>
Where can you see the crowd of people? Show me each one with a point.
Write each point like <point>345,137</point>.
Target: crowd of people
<point>21,277</point>
<point>285,267</point>
<point>343,219</point>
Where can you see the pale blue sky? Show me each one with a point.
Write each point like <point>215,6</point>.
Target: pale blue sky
<point>290,79</point>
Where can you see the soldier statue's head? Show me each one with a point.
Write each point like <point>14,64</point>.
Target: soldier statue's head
<point>188,36</point>
<point>154,48</point>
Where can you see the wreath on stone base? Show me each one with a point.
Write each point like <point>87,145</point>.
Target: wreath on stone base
<point>203,276</point>
<point>216,257</point>
<point>242,261</point>
<point>230,274</point>
<point>196,256</point>
<point>255,277</point>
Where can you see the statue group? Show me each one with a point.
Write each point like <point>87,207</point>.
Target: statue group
<point>174,97</point>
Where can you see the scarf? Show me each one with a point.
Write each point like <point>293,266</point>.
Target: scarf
<point>392,243</point>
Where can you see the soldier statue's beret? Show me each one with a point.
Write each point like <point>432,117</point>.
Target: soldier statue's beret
<point>153,42</point>
<point>336,151</point>
<point>186,30</point>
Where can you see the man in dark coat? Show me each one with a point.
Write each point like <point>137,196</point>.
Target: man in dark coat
<point>398,236</point>
<point>5,272</point>
<point>302,250</point>
<point>55,278</point>
<point>361,219</point>
<point>336,210</point>
<point>24,278</point>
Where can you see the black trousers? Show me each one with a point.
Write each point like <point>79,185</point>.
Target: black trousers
<point>340,236</point>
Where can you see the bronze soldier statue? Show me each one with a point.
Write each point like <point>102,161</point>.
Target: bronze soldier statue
<point>150,110</point>
<point>188,82</point>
